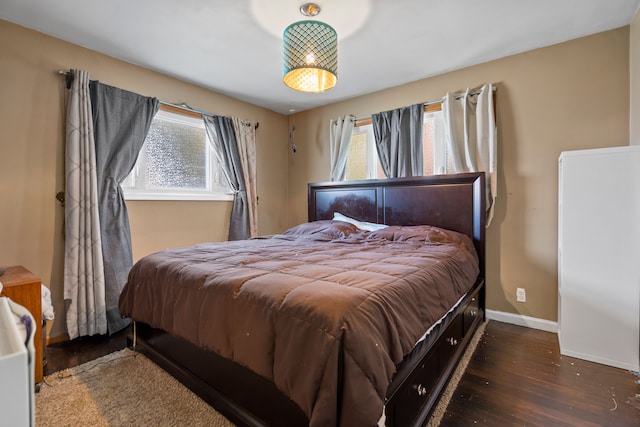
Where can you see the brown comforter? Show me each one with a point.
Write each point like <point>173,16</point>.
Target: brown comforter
<point>280,305</point>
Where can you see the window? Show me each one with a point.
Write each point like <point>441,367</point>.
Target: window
<point>176,162</point>
<point>363,162</point>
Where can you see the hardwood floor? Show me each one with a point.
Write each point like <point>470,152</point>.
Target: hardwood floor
<point>516,377</point>
<point>81,350</point>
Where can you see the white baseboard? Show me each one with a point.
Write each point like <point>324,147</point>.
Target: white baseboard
<point>521,320</point>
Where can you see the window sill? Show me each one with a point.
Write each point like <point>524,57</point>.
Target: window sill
<point>179,197</point>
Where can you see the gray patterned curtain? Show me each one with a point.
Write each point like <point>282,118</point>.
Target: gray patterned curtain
<point>84,285</point>
<point>121,120</point>
<point>221,134</point>
<point>246,138</point>
<point>398,135</point>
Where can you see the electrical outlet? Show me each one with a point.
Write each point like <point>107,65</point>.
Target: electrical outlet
<point>521,295</point>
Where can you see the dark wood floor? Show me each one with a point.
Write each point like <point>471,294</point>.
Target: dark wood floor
<point>516,377</point>
<point>81,350</point>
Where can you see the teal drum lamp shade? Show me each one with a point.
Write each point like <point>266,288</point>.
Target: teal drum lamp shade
<point>310,56</point>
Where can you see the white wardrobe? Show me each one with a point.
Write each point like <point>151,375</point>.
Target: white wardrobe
<point>599,256</point>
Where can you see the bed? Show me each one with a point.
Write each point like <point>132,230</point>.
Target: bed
<point>331,322</point>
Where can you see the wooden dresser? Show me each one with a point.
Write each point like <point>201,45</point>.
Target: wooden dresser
<point>24,288</point>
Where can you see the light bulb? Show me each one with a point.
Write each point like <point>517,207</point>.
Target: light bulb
<point>310,58</point>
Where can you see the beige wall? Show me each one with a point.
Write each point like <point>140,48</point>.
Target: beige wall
<point>634,75</point>
<point>568,96</point>
<point>32,163</point>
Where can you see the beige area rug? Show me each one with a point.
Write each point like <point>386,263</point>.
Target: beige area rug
<point>120,389</point>
<point>127,389</point>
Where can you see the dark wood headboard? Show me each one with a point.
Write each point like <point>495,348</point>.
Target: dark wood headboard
<point>455,202</point>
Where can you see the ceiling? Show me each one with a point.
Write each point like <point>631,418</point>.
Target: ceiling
<point>234,47</point>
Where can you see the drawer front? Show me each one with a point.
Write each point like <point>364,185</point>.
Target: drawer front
<point>471,313</point>
<point>416,390</point>
<point>452,340</point>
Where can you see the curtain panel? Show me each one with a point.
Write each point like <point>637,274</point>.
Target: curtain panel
<point>398,135</point>
<point>340,131</point>
<point>471,134</point>
<point>121,120</point>
<point>84,283</point>
<point>246,138</point>
<point>222,136</point>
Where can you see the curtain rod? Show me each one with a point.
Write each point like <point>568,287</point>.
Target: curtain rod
<point>68,75</point>
<point>182,105</point>
<point>430,103</point>
<point>186,107</point>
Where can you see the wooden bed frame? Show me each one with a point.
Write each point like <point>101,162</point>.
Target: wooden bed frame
<point>455,202</point>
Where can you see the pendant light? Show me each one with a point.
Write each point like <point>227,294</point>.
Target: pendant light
<point>310,53</point>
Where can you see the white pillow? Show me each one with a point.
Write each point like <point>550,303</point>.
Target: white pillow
<point>362,225</point>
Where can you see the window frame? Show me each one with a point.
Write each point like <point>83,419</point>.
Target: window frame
<point>191,118</point>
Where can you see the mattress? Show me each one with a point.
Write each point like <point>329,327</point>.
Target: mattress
<point>322,310</point>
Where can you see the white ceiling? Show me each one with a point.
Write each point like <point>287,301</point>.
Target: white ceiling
<point>234,47</point>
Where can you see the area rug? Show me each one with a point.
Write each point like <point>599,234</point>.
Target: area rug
<point>120,389</point>
<point>125,388</point>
